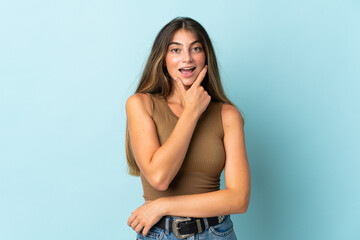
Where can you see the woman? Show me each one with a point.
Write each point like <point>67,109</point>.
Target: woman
<point>182,131</point>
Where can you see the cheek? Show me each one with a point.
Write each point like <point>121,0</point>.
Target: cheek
<point>201,59</point>
<point>171,63</point>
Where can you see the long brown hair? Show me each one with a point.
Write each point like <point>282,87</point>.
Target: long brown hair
<point>156,79</point>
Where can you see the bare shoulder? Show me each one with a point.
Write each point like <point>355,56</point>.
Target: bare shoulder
<point>139,102</point>
<point>231,116</point>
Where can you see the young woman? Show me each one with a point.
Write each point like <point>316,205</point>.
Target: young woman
<point>182,131</point>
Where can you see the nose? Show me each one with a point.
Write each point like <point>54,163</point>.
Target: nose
<point>187,57</point>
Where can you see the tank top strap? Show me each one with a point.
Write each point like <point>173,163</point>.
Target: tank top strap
<point>160,108</point>
<point>151,103</point>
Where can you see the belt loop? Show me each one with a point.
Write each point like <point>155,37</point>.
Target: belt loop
<point>167,230</point>
<point>206,223</point>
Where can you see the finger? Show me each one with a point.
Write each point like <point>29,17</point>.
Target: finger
<point>200,77</point>
<point>139,227</point>
<point>145,230</point>
<point>134,224</point>
<point>130,220</point>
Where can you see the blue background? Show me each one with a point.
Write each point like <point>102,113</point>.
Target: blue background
<point>67,68</point>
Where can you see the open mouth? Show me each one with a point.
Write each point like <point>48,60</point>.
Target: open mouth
<point>187,70</point>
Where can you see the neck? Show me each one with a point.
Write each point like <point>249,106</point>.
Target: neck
<point>175,95</point>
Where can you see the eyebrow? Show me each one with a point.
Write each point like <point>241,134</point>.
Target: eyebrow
<point>176,43</point>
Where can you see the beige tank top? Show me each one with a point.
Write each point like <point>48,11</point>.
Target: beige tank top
<point>205,158</point>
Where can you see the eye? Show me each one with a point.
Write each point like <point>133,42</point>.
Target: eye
<point>197,49</point>
<point>175,50</point>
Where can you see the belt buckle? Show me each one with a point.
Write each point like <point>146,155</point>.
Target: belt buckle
<point>175,228</point>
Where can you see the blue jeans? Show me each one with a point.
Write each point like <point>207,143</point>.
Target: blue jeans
<point>223,231</point>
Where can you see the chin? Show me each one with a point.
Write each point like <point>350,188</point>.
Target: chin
<point>188,82</point>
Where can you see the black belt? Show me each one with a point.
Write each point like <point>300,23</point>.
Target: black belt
<point>186,227</point>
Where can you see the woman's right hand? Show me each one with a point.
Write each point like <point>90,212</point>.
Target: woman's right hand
<point>195,99</point>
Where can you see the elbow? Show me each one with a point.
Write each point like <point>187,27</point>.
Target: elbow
<point>161,187</point>
<point>157,178</point>
<point>242,209</point>
<point>242,205</point>
<point>159,184</point>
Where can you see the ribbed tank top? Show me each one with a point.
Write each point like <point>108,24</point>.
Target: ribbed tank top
<point>205,158</point>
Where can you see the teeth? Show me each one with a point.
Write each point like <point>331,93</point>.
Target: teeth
<point>187,68</point>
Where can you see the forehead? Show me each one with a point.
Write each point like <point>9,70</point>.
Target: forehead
<point>184,36</point>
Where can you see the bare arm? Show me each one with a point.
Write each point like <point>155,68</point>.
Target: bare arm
<point>160,164</point>
<point>231,200</point>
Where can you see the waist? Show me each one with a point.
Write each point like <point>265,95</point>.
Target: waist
<point>183,227</point>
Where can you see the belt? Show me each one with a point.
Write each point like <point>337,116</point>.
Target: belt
<point>187,227</point>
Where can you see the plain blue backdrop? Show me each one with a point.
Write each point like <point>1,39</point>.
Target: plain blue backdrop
<point>67,68</point>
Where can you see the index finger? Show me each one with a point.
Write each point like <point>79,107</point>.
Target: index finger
<point>201,76</point>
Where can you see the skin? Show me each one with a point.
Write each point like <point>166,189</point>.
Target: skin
<point>160,164</point>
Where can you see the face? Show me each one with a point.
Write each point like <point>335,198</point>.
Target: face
<point>185,57</point>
